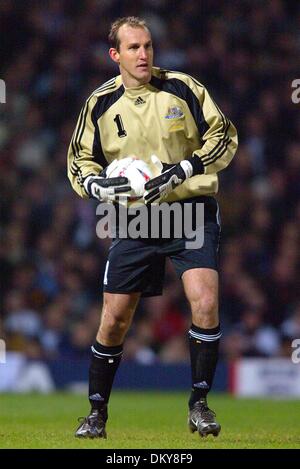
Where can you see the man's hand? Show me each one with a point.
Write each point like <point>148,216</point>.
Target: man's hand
<point>107,189</point>
<point>171,177</point>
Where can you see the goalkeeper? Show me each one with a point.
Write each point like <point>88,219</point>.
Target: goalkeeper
<point>143,111</point>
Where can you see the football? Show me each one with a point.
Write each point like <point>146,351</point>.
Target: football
<point>137,171</point>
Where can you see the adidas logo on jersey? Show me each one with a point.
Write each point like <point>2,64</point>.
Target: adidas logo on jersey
<point>139,101</point>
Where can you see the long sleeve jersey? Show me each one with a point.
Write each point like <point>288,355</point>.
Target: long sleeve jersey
<point>173,116</point>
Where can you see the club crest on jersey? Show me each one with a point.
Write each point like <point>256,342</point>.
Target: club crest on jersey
<point>174,112</point>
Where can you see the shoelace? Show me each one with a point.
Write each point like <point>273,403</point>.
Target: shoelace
<point>87,419</point>
<point>205,412</point>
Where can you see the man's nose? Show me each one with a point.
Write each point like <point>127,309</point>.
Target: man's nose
<point>143,53</point>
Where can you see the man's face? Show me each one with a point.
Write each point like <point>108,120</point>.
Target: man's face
<point>135,55</point>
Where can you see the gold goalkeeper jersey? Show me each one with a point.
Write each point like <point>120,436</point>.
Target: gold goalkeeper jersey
<point>173,116</point>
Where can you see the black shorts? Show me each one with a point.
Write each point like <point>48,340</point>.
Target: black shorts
<point>138,265</point>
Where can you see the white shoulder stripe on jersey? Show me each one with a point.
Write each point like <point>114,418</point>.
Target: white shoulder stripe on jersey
<point>109,82</point>
<point>105,85</point>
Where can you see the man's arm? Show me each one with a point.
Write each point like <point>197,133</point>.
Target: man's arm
<point>81,155</point>
<point>220,140</point>
<point>219,144</point>
<point>84,171</point>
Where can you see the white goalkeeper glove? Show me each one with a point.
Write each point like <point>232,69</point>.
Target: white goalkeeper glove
<point>107,189</point>
<point>172,176</point>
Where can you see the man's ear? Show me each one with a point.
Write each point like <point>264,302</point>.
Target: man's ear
<point>114,55</point>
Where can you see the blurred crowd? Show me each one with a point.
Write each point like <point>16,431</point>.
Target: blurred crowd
<point>53,55</point>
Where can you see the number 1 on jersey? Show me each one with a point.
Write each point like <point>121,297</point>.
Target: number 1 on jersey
<point>121,131</point>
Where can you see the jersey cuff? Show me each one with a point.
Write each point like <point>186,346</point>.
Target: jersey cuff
<point>198,167</point>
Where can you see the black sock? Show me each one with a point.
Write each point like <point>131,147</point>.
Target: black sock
<point>103,367</point>
<point>204,350</point>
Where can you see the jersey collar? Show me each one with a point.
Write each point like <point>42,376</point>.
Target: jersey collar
<point>136,91</point>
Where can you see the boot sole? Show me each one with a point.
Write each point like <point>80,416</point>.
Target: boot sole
<point>91,437</point>
<point>209,430</point>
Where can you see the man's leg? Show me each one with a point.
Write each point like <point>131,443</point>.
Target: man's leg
<point>201,289</point>
<point>116,317</point>
<point>117,314</point>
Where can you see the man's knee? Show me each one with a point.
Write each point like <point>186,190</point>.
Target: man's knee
<point>114,325</point>
<point>205,310</point>
<point>116,317</point>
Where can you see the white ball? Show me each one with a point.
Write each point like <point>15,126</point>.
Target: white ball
<point>137,171</point>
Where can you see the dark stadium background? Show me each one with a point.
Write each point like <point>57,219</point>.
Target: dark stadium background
<point>53,55</point>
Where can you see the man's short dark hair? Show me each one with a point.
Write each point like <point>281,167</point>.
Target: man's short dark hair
<point>133,21</point>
